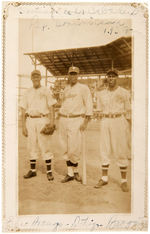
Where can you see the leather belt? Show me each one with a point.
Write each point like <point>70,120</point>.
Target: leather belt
<point>110,115</point>
<point>35,116</point>
<point>71,116</point>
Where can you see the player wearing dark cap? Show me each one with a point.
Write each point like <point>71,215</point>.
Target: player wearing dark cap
<point>74,115</point>
<point>37,111</point>
<point>113,104</point>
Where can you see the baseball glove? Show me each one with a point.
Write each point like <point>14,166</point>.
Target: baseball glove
<point>48,130</point>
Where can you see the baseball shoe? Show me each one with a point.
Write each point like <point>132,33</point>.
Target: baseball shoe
<point>124,187</point>
<point>67,179</point>
<point>30,174</point>
<point>100,183</point>
<point>77,177</point>
<point>50,176</point>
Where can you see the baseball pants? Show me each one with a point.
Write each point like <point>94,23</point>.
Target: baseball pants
<point>70,138</point>
<point>114,140</point>
<point>38,143</point>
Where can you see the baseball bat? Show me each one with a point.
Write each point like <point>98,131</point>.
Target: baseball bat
<point>83,159</point>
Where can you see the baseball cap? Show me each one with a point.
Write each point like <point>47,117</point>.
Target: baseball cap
<point>35,72</point>
<point>112,71</point>
<point>73,70</point>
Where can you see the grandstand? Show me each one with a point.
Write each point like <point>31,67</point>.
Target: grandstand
<point>93,62</point>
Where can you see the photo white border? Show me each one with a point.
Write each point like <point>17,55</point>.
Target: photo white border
<point>11,221</point>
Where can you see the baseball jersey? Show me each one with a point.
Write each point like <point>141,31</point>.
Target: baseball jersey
<point>77,99</point>
<point>37,101</point>
<point>112,102</point>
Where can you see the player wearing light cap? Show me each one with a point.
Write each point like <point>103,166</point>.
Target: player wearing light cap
<point>74,115</point>
<point>113,104</point>
<point>37,111</point>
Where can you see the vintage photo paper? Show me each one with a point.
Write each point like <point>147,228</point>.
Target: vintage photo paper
<point>75,84</point>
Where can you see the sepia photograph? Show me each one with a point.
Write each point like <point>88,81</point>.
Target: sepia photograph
<point>75,99</point>
<point>83,87</point>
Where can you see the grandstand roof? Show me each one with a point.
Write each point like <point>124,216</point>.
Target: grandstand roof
<point>90,60</point>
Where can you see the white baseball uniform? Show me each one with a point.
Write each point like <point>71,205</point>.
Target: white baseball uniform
<point>77,100</point>
<point>36,102</point>
<point>113,131</point>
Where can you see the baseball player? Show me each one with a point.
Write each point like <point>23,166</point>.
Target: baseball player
<point>114,108</point>
<point>74,116</point>
<point>37,108</point>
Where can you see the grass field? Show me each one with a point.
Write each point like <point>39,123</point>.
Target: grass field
<point>39,196</point>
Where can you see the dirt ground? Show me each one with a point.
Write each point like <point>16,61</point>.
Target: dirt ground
<point>39,196</point>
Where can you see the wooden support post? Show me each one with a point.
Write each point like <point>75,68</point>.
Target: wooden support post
<point>46,78</point>
<point>99,81</point>
<point>112,64</point>
<point>35,64</point>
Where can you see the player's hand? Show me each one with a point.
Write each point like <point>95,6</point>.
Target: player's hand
<point>83,126</point>
<point>25,131</point>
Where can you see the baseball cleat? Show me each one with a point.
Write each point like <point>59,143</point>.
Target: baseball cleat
<point>50,176</point>
<point>30,174</point>
<point>67,179</point>
<point>77,177</point>
<point>124,187</point>
<point>100,183</point>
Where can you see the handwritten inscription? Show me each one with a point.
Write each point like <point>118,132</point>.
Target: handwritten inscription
<point>113,30</point>
<point>120,224</point>
<point>84,223</point>
<point>54,11</point>
<point>109,27</point>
